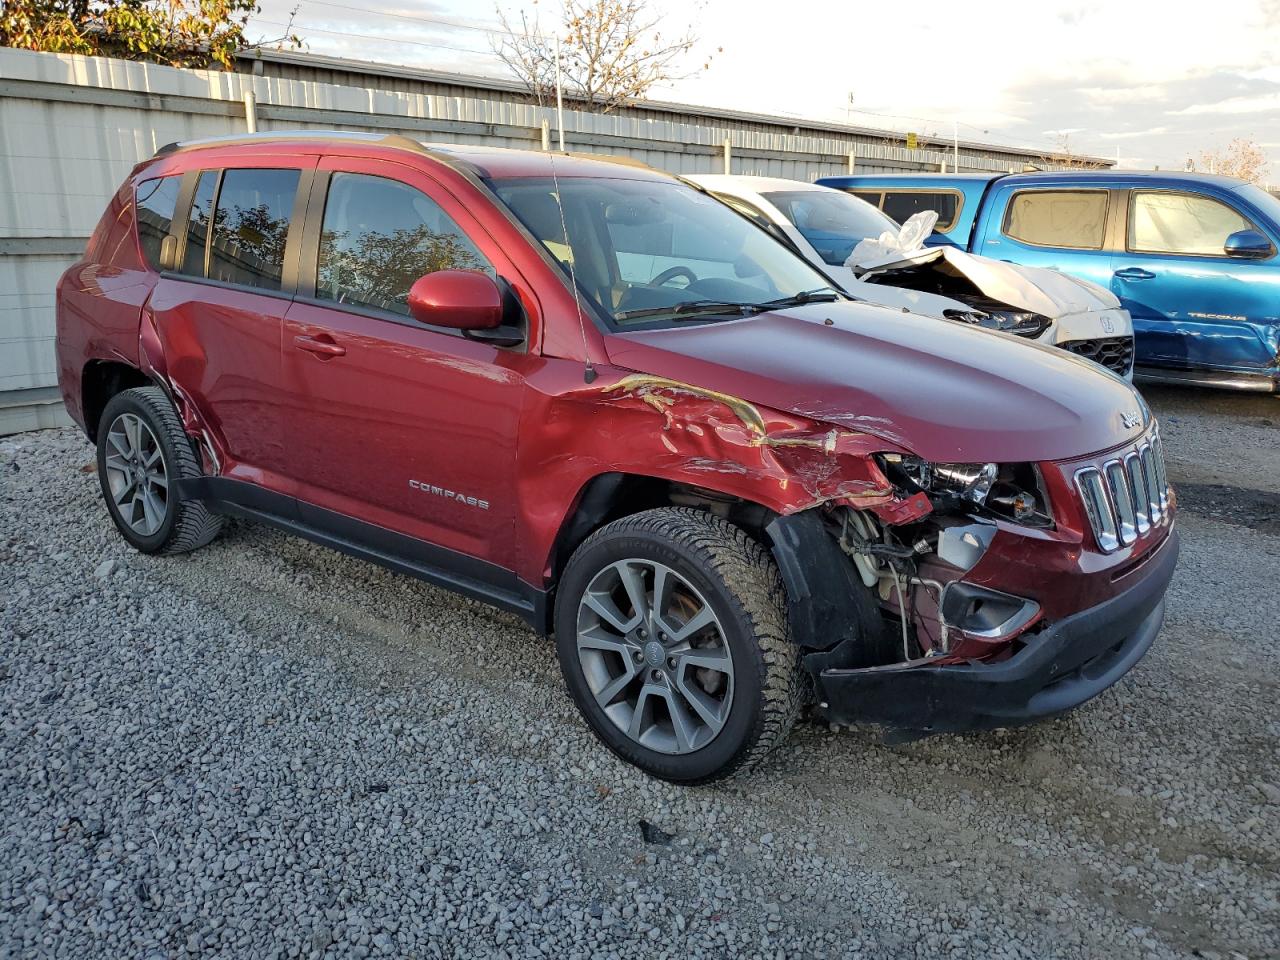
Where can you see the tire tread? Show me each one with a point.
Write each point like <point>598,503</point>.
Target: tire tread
<point>194,524</point>
<point>755,587</point>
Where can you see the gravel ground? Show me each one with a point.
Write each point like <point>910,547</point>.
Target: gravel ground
<point>268,749</point>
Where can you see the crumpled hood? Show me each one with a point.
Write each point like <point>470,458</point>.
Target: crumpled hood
<point>1046,292</point>
<point>945,391</point>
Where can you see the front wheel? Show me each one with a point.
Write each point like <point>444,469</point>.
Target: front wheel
<point>671,631</point>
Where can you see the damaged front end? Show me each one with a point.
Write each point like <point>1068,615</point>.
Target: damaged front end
<point>1028,302</point>
<point>984,612</point>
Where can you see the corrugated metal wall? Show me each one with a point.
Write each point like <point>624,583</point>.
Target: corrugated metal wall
<point>72,127</point>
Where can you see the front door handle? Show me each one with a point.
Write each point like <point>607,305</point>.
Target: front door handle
<point>321,346</point>
<point>1134,273</point>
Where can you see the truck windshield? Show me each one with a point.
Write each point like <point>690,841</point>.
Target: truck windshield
<point>832,221</point>
<point>654,252</point>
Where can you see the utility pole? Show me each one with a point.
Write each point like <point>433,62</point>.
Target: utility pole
<point>559,96</point>
<point>955,143</point>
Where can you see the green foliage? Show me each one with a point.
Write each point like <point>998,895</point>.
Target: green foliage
<point>180,33</point>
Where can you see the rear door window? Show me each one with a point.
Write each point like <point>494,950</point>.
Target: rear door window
<point>155,201</point>
<point>901,206</point>
<point>193,259</point>
<point>1185,223</point>
<point>251,225</point>
<point>379,236</point>
<point>1074,219</point>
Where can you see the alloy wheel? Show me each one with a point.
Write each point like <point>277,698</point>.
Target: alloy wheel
<point>137,475</point>
<point>655,656</point>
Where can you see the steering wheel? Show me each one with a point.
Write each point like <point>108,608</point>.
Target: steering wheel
<point>671,273</point>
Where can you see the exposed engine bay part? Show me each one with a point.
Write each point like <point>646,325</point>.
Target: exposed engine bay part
<point>1030,289</point>
<point>940,277</point>
<point>890,569</point>
<point>918,583</point>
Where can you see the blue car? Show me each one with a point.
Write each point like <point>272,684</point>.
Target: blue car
<point>1194,258</point>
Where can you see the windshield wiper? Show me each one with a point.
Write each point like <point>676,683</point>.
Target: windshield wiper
<point>686,309</point>
<point>816,295</point>
<point>698,309</point>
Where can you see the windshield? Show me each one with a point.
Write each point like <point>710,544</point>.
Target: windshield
<point>832,221</point>
<point>652,252</point>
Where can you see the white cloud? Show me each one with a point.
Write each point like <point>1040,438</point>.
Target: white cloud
<point>1232,105</point>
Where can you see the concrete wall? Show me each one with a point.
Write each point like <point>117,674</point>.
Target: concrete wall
<point>72,127</point>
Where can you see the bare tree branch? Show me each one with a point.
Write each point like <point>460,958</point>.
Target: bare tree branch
<point>611,53</point>
<point>1242,159</point>
<point>1068,159</point>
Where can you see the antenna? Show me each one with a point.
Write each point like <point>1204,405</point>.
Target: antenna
<point>589,373</point>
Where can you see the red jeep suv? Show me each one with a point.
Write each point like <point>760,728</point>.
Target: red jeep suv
<point>589,393</point>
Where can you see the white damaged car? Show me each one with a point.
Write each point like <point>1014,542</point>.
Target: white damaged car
<point>881,262</point>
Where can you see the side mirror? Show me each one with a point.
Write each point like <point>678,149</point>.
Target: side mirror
<point>461,299</point>
<point>1248,245</point>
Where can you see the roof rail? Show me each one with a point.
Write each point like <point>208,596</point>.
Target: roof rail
<point>611,158</point>
<point>395,140</point>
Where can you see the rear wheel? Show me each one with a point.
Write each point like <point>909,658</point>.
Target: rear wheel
<point>142,452</point>
<point>672,636</point>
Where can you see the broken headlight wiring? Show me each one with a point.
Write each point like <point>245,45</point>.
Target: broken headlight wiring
<point>1011,491</point>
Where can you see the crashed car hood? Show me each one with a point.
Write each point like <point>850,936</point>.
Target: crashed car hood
<point>945,391</point>
<point>1046,292</point>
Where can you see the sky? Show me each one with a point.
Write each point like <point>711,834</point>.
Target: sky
<point>1150,83</point>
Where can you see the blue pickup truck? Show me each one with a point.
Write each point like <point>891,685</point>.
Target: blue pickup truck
<point>1194,258</point>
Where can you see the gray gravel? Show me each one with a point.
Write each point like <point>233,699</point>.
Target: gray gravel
<point>268,749</point>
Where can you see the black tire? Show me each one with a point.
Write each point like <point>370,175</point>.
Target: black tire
<point>187,524</point>
<point>737,577</point>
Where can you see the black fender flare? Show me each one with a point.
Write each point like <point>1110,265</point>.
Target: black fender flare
<point>835,619</point>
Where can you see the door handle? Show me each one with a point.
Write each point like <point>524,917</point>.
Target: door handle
<point>320,347</point>
<point>1134,273</point>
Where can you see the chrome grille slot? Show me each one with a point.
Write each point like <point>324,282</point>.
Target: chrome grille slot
<point>1118,486</point>
<point>1126,497</point>
<point>1138,484</point>
<point>1162,481</point>
<point>1098,506</point>
<point>1153,483</point>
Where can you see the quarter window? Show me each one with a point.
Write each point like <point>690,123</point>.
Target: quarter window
<point>1058,218</point>
<point>379,236</point>
<point>902,206</point>
<point>251,226</point>
<point>1181,223</point>
<point>155,201</point>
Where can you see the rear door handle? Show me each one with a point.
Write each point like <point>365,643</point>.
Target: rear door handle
<point>1134,273</point>
<point>321,346</point>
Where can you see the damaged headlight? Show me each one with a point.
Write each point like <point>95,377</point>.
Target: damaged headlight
<point>1012,490</point>
<point>1020,323</point>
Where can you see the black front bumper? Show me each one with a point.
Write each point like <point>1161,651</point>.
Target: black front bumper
<point>1058,669</point>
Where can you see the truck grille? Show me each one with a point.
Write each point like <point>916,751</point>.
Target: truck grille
<point>1114,353</point>
<point>1126,496</point>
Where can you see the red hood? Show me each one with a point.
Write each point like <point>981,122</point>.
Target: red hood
<point>944,391</point>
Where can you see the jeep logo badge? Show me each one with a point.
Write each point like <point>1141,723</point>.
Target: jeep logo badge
<point>1131,420</point>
